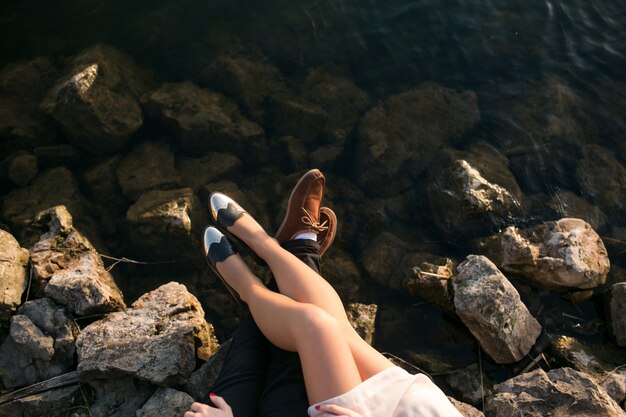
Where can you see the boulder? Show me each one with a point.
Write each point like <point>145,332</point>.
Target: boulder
<point>563,255</point>
<point>559,393</point>
<point>197,172</point>
<point>56,402</point>
<point>96,101</point>
<point>203,378</point>
<point>473,192</point>
<point>67,269</point>
<point>603,177</point>
<point>149,166</point>
<point>168,226</point>
<point>397,138</point>
<point>289,115</point>
<point>40,344</point>
<point>157,340</point>
<point>204,120</point>
<point>13,275</point>
<point>362,317</point>
<point>62,154</point>
<point>469,384</point>
<point>104,188</point>
<point>166,402</point>
<point>429,277</point>
<point>491,308</point>
<point>382,257</point>
<point>617,307</point>
<point>22,169</point>
<point>118,397</point>
<point>568,204</point>
<point>466,410</point>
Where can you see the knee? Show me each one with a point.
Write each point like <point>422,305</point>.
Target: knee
<point>317,322</point>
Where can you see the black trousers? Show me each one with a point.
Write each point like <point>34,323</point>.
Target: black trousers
<point>257,378</point>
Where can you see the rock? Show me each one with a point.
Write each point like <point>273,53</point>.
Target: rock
<point>568,204</point>
<point>340,98</point>
<point>68,270</point>
<point>293,116</point>
<point>197,172</point>
<point>325,157</point>
<point>13,275</point>
<point>104,188</point>
<point>474,192</point>
<point>96,101</point>
<point>467,383</point>
<point>429,278</point>
<point>204,121</point>
<point>560,392</point>
<point>55,155</point>
<point>382,257</point>
<point>157,340</point>
<point>57,402</point>
<point>40,344</point>
<point>563,255</point>
<point>491,308</point>
<point>168,226</point>
<point>203,378</point>
<point>341,271</point>
<point>431,364</point>
<point>289,152</point>
<point>397,139</point>
<point>617,306</point>
<point>118,397</point>
<point>149,166</point>
<point>603,177</point>
<point>363,318</point>
<point>166,402</point>
<point>466,410</point>
<point>22,169</point>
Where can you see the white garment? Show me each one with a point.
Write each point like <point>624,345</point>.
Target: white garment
<point>394,393</point>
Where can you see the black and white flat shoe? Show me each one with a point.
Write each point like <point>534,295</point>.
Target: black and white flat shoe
<point>225,212</point>
<point>217,248</point>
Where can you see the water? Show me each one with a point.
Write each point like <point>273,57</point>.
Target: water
<point>386,46</point>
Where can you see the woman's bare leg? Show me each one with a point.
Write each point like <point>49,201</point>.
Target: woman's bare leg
<point>328,366</point>
<point>299,282</point>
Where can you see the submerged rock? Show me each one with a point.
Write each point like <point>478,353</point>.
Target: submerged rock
<point>491,308</point>
<point>40,344</point>
<point>166,402</point>
<point>204,120</point>
<point>96,102</point>
<point>293,116</point>
<point>560,392</point>
<point>157,340</point>
<point>398,138</point>
<point>617,307</point>
<point>13,275</point>
<point>363,318</point>
<point>563,255</point>
<point>568,204</point>
<point>383,257</point>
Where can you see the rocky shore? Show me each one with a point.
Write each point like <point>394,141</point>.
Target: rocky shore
<point>107,307</point>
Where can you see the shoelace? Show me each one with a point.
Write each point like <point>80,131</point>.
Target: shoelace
<point>310,221</point>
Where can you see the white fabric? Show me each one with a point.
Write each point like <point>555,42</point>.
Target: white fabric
<point>394,393</point>
<point>306,235</point>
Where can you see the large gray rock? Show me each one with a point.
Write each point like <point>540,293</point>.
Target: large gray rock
<point>96,101</point>
<point>40,344</point>
<point>204,120</point>
<point>561,392</point>
<point>149,166</point>
<point>13,275</point>
<point>57,402</point>
<point>157,340</point>
<point>491,308</point>
<point>67,269</point>
<point>166,402</point>
<point>203,378</point>
<point>617,307</point>
<point>563,255</point>
<point>398,138</point>
<point>118,397</point>
<point>167,226</point>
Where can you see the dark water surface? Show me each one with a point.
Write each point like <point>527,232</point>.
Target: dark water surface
<point>386,46</point>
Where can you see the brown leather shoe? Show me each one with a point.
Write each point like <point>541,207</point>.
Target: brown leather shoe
<point>303,211</point>
<point>325,238</point>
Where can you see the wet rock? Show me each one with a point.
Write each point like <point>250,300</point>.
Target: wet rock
<point>68,270</point>
<point>196,172</point>
<point>363,318</point>
<point>340,98</point>
<point>429,278</point>
<point>40,344</point>
<point>166,402</point>
<point>617,306</point>
<point>341,271</point>
<point>491,308</point>
<point>603,177</point>
<point>168,226</point>
<point>466,382</point>
<point>157,340</point>
<point>149,166</point>
<point>203,378</point>
<point>563,255</point>
<point>568,204</point>
<point>289,152</point>
<point>104,188</point>
<point>118,397</point>
<point>22,169</point>
<point>204,120</point>
<point>55,155</point>
<point>382,257</point>
<point>57,402</point>
<point>96,101</point>
<point>13,275</point>
<point>560,392</point>
<point>325,157</point>
<point>397,139</point>
<point>293,116</point>
<point>466,410</point>
<point>431,364</point>
<point>473,192</point>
